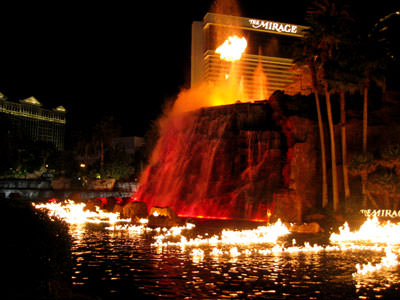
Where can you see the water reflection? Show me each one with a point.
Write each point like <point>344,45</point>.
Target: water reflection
<point>121,264</point>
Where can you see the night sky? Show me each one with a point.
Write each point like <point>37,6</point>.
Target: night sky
<point>109,58</point>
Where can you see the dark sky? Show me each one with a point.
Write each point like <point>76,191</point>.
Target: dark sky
<point>108,57</point>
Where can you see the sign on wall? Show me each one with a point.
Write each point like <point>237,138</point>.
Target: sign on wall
<point>385,213</point>
<point>273,26</point>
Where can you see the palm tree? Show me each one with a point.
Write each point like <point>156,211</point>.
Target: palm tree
<point>344,79</point>
<point>306,67</point>
<point>83,143</point>
<point>335,193</point>
<point>325,18</point>
<point>375,55</point>
<point>104,132</point>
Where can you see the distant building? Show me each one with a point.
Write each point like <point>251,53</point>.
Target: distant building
<point>269,44</point>
<point>31,120</point>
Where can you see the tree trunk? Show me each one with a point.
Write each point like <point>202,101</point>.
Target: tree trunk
<point>364,178</point>
<point>86,159</point>
<point>333,149</point>
<point>365,117</point>
<point>322,141</point>
<point>101,155</point>
<point>344,147</point>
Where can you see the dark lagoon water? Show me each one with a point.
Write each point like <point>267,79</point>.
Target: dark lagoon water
<point>127,265</point>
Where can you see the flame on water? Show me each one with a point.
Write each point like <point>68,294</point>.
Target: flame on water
<point>388,261</point>
<point>75,213</point>
<point>372,236</point>
<point>260,235</point>
<point>232,49</point>
<point>370,231</point>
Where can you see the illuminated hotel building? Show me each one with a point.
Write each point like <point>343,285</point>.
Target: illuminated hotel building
<point>29,119</point>
<point>269,48</point>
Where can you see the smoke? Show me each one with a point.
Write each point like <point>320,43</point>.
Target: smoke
<point>226,7</point>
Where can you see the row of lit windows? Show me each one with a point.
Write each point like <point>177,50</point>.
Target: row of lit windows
<point>31,112</point>
<point>39,129</point>
<point>276,70</point>
<point>258,43</point>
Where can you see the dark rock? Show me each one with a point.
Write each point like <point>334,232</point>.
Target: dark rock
<point>118,208</point>
<point>315,217</point>
<point>93,203</point>
<point>109,204</point>
<point>306,228</point>
<point>288,206</point>
<point>162,217</point>
<point>230,161</point>
<point>135,210</point>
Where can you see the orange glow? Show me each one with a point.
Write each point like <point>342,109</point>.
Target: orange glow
<point>260,83</point>
<point>258,220</point>
<point>232,49</point>
<point>209,94</point>
<point>205,217</point>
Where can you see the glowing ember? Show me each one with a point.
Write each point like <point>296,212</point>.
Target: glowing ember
<point>232,49</point>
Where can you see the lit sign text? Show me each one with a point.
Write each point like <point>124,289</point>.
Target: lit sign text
<point>273,26</point>
<point>386,213</point>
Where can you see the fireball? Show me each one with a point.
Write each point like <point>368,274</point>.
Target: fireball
<point>232,49</point>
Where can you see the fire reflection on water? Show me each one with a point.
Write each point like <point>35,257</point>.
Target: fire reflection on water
<point>188,262</point>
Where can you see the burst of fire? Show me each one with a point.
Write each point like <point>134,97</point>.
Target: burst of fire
<point>232,49</point>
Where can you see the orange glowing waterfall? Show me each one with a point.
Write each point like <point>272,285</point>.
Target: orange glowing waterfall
<point>220,162</point>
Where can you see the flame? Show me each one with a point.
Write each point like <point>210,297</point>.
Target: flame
<point>232,49</point>
<point>388,261</point>
<point>228,89</point>
<point>260,235</point>
<point>370,232</point>
<point>372,236</point>
<point>75,213</point>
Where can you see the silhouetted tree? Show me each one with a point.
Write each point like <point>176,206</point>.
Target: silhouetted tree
<point>326,19</point>
<point>309,67</point>
<point>104,132</point>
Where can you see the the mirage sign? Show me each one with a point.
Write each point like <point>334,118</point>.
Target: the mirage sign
<point>273,26</point>
<point>386,213</point>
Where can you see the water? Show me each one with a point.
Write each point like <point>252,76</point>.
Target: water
<point>122,264</point>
